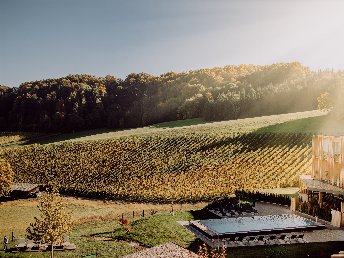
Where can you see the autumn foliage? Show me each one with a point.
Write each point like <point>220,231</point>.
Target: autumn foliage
<point>181,167</point>
<point>6,178</point>
<point>54,221</point>
<point>81,102</point>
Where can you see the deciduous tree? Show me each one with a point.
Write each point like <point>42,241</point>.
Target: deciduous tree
<point>6,178</point>
<point>54,223</point>
<point>324,101</point>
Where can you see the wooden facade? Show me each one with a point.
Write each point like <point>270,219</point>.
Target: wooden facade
<point>326,182</point>
<point>328,159</point>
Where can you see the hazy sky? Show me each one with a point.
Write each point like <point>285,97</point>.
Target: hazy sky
<point>42,39</point>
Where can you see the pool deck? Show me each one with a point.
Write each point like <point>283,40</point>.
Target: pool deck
<point>324,235</point>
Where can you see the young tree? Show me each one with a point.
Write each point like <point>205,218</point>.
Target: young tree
<point>54,222</point>
<point>324,101</point>
<point>6,178</point>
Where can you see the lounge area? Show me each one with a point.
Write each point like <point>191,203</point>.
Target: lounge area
<point>232,207</point>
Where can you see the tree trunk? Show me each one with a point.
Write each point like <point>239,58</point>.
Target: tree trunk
<point>52,251</point>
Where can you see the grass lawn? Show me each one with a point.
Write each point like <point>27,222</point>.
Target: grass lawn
<point>180,123</point>
<point>163,228</point>
<point>69,136</point>
<point>91,218</point>
<point>240,125</point>
<point>315,125</point>
<point>289,191</point>
<point>107,133</point>
<point>158,229</point>
<point>97,230</point>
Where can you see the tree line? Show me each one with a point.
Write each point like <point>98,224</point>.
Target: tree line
<point>80,102</point>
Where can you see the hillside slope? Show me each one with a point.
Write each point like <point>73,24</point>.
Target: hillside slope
<point>212,128</point>
<point>190,163</point>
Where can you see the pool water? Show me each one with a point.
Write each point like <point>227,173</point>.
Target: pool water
<point>256,223</point>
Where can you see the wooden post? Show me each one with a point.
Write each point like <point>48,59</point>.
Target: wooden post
<point>143,213</point>
<point>294,204</point>
<point>133,214</point>
<point>320,199</point>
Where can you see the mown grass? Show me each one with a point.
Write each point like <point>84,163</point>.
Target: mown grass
<point>158,229</point>
<point>164,228</point>
<point>91,218</point>
<point>59,137</point>
<point>288,191</point>
<point>106,238</point>
<point>180,123</point>
<point>240,125</point>
<point>55,138</point>
<point>12,138</point>
<point>315,125</point>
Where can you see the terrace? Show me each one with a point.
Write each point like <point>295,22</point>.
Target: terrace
<point>287,235</point>
<point>256,230</point>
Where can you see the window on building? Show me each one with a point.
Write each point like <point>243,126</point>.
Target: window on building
<point>326,145</point>
<point>336,147</point>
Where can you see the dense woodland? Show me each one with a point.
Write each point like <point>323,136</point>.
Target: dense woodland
<point>80,102</point>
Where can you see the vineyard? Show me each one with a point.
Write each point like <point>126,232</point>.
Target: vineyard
<point>181,167</point>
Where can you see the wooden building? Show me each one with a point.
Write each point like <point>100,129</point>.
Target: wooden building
<point>24,190</point>
<point>328,159</point>
<point>326,181</point>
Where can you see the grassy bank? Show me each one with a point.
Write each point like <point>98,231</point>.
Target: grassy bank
<point>97,230</point>
<point>91,218</point>
<point>312,125</point>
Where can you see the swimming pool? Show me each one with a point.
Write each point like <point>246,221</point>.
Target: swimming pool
<point>255,225</point>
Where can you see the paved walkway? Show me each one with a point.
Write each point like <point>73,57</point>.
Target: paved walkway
<point>264,209</point>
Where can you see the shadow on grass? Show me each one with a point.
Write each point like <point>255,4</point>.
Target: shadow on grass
<point>67,136</point>
<point>254,141</point>
<point>54,138</point>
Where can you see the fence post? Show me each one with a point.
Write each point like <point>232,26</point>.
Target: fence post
<point>143,213</point>
<point>133,214</point>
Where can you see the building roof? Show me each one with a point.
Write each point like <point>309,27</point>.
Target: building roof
<point>167,250</point>
<point>24,187</point>
<point>319,186</point>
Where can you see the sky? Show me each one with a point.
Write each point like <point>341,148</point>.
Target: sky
<point>41,39</point>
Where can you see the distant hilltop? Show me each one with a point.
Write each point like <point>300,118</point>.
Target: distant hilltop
<point>82,102</point>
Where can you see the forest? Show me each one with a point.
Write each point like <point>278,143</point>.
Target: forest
<point>81,102</point>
